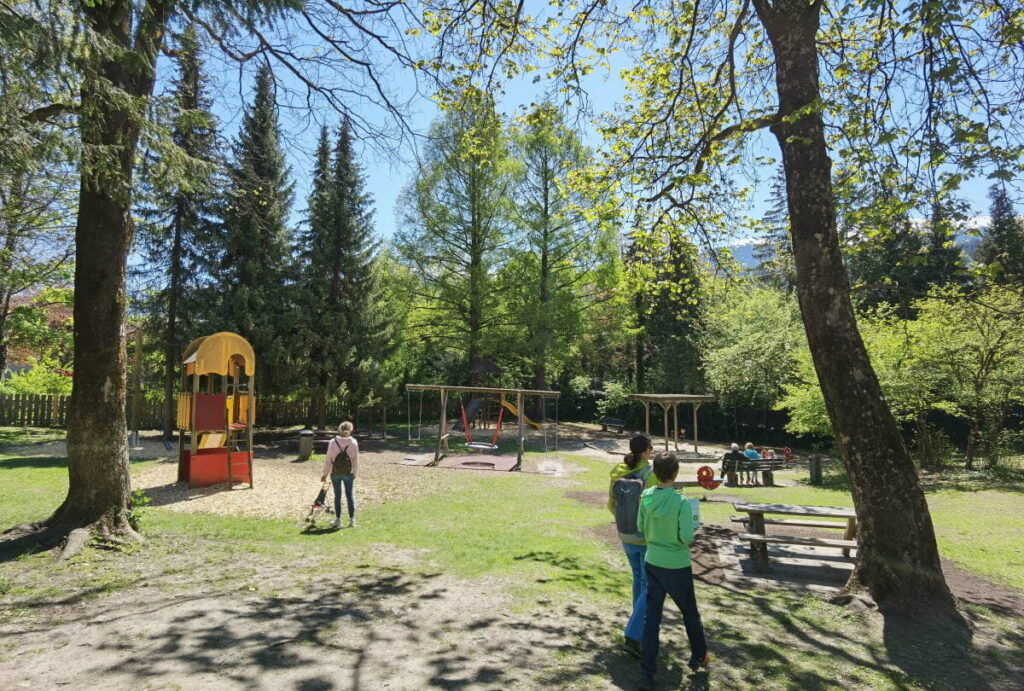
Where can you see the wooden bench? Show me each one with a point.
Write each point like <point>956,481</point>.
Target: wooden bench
<point>791,522</point>
<point>845,545</point>
<point>615,422</point>
<point>766,467</point>
<point>759,541</point>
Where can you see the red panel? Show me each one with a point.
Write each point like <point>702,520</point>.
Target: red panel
<point>211,411</point>
<point>210,467</point>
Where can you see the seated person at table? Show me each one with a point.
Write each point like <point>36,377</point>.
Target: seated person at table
<point>751,453</point>
<point>731,460</point>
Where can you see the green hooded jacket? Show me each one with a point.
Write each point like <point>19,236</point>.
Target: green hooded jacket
<point>667,524</point>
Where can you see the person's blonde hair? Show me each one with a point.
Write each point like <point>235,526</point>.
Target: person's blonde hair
<point>345,428</point>
<point>749,445</point>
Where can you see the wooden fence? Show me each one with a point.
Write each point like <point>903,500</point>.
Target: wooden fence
<point>25,410</point>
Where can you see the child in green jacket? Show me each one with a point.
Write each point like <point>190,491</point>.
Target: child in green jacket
<point>666,522</point>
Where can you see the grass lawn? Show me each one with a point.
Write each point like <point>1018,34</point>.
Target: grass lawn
<point>527,536</point>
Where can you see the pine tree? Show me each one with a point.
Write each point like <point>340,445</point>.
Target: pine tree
<point>256,242</point>
<point>1002,245</point>
<point>183,219</point>
<point>775,254</point>
<point>346,336</point>
<point>944,263</point>
<point>317,317</point>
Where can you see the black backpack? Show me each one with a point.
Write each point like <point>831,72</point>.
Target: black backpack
<point>627,490</point>
<point>342,464</point>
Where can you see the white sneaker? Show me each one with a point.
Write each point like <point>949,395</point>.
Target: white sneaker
<point>336,523</point>
<point>352,522</point>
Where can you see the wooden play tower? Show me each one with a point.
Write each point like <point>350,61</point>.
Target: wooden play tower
<point>216,411</point>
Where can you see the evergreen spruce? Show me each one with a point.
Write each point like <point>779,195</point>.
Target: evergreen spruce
<point>774,255</point>
<point>345,336</point>
<point>668,310</point>
<point>1002,245</point>
<point>944,259</point>
<point>255,261</point>
<point>182,220</point>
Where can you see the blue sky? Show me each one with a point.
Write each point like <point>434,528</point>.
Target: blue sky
<point>387,172</point>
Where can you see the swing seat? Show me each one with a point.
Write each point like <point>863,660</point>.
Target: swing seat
<point>482,445</point>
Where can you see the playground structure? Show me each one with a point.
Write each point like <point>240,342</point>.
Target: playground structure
<point>216,410</point>
<point>671,401</point>
<point>479,411</point>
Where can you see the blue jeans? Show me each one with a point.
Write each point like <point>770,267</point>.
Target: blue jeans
<point>678,584</point>
<point>635,554</point>
<point>337,481</point>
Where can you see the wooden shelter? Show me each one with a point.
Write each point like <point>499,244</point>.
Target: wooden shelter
<point>216,411</point>
<point>671,401</point>
<point>444,433</point>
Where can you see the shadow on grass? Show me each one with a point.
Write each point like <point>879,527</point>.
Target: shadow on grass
<point>569,570</point>
<point>939,652</point>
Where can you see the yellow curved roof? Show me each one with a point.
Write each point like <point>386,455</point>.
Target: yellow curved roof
<point>211,354</point>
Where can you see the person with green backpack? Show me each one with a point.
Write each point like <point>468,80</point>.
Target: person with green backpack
<point>628,481</point>
<point>341,463</point>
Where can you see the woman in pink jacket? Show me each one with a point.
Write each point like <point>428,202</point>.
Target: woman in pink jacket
<point>342,464</point>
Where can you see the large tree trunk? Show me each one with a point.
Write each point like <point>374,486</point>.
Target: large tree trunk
<point>99,485</point>
<point>898,556</point>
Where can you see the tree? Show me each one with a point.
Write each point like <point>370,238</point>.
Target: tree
<point>255,257</point>
<point>668,293</point>
<point>1002,245</point>
<point>458,221</point>
<point>886,264</point>
<point>775,253</point>
<point>749,343</point>
<point>716,60</point>
<point>973,342</point>
<point>37,170</point>
<point>182,220</point>
<point>945,260</point>
<point>566,242</point>
<point>107,52</point>
<point>348,335</point>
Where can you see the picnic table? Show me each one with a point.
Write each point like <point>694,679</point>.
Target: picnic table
<point>618,424</point>
<point>755,521</point>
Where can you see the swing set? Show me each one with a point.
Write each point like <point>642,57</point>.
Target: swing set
<point>476,411</point>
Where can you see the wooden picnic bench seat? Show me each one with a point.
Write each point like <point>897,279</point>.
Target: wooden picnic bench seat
<point>615,422</point>
<point>759,541</point>
<point>844,545</point>
<point>797,523</point>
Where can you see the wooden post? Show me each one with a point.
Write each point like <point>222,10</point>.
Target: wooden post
<point>758,550</point>
<point>696,407</point>
<point>250,420</point>
<point>850,534</point>
<point>137,387</point>
<point>647,418</point>
<point>195,398</point>
<point>522,432</point>
<point>664,418</point>
<point>675,425</point>
<point>442,430</point>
